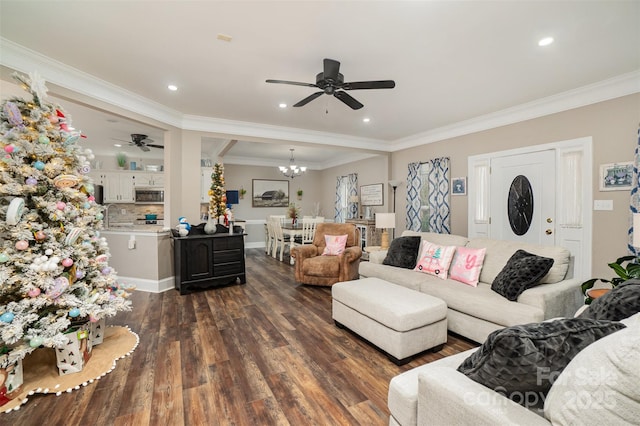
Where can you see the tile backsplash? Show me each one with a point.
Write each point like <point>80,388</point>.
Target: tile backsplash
<point>129,213</point>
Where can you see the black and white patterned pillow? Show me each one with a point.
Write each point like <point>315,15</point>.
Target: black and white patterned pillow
<point>522,271</point>
<point>618,304</point>
<point>525,359</point>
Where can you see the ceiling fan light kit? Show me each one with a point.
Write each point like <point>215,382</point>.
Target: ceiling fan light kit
<point>331,82</point>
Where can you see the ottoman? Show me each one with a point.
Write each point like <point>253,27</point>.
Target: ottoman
<point>399,321</point>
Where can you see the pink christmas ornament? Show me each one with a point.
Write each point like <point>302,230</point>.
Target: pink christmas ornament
<point>39,236</point>
<point>9,149</point>
<point>22,245</point>
<point>60,205</point>
<point>92,198</point>
<point>67,262</point>
<point>34,293</point>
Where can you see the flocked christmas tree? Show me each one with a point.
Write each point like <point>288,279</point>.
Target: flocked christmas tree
<point>217,193</point>
<point>54,266</point>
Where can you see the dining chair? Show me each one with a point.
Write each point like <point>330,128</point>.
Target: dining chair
<point>308,231</point>
<point>281,241</point>
<point>270,242</point>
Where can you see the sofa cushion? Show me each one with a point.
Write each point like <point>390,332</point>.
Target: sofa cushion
<point>466,265</point>
<point>435,259</point>
<point>522,361</point>
<point>403,252</point>
<point>600,385</point>
<point>436,238</point>
<point>522,271</point>
<point>619,303</point>
<point>334,245</point>
<point>499,252</point>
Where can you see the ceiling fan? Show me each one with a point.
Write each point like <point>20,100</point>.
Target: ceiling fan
<point>331,81</point>
<point>142,142</point>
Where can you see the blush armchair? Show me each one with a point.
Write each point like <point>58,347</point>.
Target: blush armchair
<point>311,267</point>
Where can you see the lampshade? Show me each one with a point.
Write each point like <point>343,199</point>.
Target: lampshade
<point>385,220</point>
<point>636,230</point>
<point>395,183</point>
<point>353,199</point>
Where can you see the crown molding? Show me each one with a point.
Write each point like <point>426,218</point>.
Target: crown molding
<point>25,60</point>
<point>267,131</point>
<point>622,85</point>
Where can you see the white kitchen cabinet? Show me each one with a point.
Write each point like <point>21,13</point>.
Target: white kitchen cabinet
<point>99,177</point>
<point>148,179</point>
<point>118,187</point>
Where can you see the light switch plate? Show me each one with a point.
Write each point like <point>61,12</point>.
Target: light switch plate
<point>603,204</point>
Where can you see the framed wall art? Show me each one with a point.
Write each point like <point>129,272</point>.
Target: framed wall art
<point>459,186</point>
<point>371,195</point>
<point>270,193</point>
<point>616,176</point>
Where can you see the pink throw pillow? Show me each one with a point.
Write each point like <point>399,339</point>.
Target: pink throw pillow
<point>435,259</point>
<point>335,245</point>
<point>466,265</point>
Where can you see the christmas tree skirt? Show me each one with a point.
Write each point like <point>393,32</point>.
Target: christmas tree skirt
<point>41,373</point>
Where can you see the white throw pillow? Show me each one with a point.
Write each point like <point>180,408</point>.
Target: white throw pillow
<point>600,385</point>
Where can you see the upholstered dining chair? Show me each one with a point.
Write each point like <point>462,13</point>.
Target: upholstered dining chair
<point>311,267</point>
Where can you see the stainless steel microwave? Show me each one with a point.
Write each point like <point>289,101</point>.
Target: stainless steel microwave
<point>148,195</point>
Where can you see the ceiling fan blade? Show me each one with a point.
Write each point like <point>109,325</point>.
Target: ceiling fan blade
<point>381,84</point>
<point>331,69</point>
<point>295,83</point>
<point>155,146</point>
<point>144,147</point>
<point>308,99</point>
<point>348,99</point>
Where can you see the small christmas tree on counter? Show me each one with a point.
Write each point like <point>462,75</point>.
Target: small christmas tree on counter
<point>217,193</point>
<point>54,267</point>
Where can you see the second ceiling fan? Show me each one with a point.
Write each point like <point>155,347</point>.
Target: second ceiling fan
<point>331,82</point>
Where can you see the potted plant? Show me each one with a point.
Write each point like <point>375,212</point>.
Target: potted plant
<point>242,192</point>
<point>299,192</point>
<point>626,267</point>
<point>121,158</point>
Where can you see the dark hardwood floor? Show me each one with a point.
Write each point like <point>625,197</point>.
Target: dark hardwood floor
<point>263,353</point>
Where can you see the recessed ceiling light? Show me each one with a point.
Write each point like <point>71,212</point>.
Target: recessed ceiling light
<point>282,105</point>
<point>366,119</point>
<point>117,145</point>
<point>172,87</point>
<point>545,41</point>
<point>224,37</point>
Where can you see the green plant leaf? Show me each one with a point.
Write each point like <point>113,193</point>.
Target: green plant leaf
<point>588,284</point>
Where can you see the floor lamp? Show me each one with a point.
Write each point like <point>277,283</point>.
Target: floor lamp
<point>394,184</point>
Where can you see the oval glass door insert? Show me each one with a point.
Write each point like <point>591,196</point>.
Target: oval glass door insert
<point>520,205</point>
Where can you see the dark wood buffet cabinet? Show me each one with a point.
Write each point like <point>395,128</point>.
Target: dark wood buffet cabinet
<point>203,261</point>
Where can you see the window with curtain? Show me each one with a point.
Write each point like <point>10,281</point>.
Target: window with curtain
<point>346,191</point>
<point>428,191</point>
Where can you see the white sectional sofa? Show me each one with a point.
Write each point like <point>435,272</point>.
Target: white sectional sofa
<point>475,312</point>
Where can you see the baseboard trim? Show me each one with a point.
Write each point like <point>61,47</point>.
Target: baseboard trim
<point>149,286</point>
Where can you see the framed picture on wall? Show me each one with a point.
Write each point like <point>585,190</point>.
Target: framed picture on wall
<point>371,195</point>
<point>459,186</point>
<point>616,176</point>
<point>270,193</point>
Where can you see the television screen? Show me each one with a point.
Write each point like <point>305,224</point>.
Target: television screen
<point>233,197</point>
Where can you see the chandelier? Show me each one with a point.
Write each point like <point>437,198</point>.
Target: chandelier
<point>293,170</point>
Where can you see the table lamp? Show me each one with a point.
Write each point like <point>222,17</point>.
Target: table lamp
<point>385,221</point>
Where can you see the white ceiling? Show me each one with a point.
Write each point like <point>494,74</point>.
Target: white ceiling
<point>452,61</point>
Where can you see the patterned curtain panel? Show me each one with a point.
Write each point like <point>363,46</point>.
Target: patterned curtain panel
<point>634,204</point>
<point>338,217</point>
<point>414,184</point>
<point>352,191</point>
<point>439,182</point>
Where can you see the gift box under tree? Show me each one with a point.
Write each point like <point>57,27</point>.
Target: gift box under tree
<point>72,356</point>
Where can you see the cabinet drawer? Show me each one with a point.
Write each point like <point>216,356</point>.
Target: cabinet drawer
<point>226,243</point>
<point>231,268</point>
<point>227,256</point>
